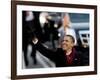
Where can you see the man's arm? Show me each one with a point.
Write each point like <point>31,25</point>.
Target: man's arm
<point>44,50</point>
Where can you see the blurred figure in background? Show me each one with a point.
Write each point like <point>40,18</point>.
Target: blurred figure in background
<point>48,30</point>
<point>41,26</point>
<point>66,29</point>
<point>28,32</point>
<point>45,26</point>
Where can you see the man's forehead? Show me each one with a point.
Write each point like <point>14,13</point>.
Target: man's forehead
<point>69,38</point>
<point>66,36</point>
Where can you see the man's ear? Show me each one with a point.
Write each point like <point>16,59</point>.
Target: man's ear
<point>72,44</point>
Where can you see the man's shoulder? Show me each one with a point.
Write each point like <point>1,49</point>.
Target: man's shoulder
<point>59,49</point>
<point>77,51</point>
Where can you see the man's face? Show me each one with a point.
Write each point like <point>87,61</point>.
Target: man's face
<point>67,43</point>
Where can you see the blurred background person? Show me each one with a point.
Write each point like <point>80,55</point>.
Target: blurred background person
<point>28,31</point>
<point>66,29</point>
<point>37,24</point>
<point>42,30</point>
<point>48,30</point>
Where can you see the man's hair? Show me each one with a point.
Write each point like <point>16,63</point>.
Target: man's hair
<point>73,40</point>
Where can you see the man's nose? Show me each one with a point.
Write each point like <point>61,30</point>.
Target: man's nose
<point>64,41</point>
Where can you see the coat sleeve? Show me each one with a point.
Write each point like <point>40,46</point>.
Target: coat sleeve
<point>45,51</point>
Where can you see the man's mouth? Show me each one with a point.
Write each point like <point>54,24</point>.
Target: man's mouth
<point>64,45</point>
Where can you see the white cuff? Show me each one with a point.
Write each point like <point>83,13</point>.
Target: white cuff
<point>35,41</point>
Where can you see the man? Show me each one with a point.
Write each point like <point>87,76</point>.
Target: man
<point>64,56</point>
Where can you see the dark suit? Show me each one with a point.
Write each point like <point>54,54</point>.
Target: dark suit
<point>47,32</point>
<point>59,57</point>
<point>27,33</point>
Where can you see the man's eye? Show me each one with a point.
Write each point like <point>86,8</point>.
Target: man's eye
<point>65,40</point>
